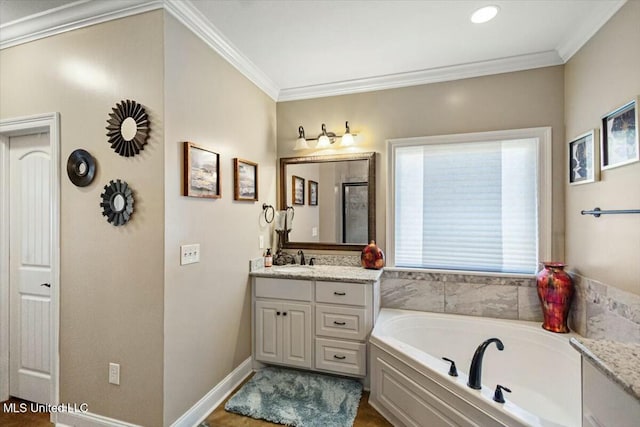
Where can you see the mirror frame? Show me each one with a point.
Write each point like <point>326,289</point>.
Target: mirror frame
<point>371,158</point>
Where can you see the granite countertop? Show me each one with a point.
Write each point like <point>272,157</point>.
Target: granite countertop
<point>330,273</point>
<point>618,361</point>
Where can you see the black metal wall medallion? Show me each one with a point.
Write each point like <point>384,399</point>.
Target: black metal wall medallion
<point>117,202</point>
<point>128,128</point>
<point>81,168</point>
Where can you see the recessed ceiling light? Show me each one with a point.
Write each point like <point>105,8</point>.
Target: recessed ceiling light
<point>484,14</point>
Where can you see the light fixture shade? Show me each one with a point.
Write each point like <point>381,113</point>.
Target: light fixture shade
<point>323,142</point>
<point>347,140</point>
<point>301,144</point>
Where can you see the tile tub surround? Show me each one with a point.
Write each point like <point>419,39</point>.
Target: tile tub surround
<point>485,295</point>
<point>618,361</point>
<point>601,311</point>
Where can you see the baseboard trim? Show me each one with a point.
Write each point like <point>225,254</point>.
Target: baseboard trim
<point>198,412</point>
<point>87,419</point>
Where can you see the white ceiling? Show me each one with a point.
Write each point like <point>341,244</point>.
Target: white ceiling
<point>303,46</point>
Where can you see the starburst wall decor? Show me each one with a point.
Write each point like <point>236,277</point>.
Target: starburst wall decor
<point>117,202</point>
<point>123,137</point>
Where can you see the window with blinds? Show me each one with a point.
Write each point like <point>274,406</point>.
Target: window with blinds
<point>469,206</point>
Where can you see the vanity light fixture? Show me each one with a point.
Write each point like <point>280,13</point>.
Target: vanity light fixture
<point>325,138</point>
<point>484,14</point>
<point>301,142</point>
<point>347,138</point>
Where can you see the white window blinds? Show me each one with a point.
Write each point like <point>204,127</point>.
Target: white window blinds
<point>467,206</point>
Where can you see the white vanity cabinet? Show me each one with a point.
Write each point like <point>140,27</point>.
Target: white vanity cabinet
<point>605,403</point>
<point>282,327</point>
<point>315,324</point>
<point>343,321</point>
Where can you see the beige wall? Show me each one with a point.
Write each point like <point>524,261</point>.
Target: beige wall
<point>602,76</point>
<point>111,277</point>
<point>207,321</point>
<point>506,101</point>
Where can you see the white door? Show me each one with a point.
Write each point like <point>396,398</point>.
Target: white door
<point>30,267</point>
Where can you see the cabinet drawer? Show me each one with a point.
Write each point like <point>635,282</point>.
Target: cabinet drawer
<point>341,322</point>
<point>299,290</point>
<point>341,356</point>
<point>341,293</point>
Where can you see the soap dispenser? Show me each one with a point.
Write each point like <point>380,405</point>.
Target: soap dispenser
<point>268,258</point>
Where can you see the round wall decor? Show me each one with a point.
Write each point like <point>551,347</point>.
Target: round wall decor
<point>81,168</point>
<point>128,128</point>
<point>117,202</point>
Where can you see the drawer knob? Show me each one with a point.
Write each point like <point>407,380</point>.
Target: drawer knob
<point>284,313</point>
<point>341,294</point>
<point>339,357</point>
<point>339,323</point>
<point>277,313</point>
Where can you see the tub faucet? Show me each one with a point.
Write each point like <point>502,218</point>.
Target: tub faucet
<point>301,257</point>
<point>475,371</point>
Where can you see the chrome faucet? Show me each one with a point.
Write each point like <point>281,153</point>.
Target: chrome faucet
<point>301,257</point>
<point>475,371</point>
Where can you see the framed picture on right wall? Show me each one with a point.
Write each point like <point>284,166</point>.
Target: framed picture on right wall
<point>619,141</point>
<point>583,158</point>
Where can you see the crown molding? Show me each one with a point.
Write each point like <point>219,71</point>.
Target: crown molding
<point>70,17</point>
<point>185,12</point>
<point>588,28</point>
<point>433,75</point>
<point>84,13</point>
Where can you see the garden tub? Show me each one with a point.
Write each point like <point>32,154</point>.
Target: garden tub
<point>410,384</point>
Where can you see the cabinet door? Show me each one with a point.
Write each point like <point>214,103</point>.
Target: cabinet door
<point>268,333</point>
<point>296,335</point>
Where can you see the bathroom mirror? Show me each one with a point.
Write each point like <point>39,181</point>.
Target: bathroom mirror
<point>337,209</point>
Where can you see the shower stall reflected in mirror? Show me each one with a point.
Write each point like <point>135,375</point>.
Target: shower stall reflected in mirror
<point>355,211</point>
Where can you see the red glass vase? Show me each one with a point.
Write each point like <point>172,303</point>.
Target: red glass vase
<point>372,257</point>
<point>555,289</point>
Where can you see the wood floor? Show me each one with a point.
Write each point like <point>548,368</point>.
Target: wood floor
<point>367,416</point>
<point>19,419</point>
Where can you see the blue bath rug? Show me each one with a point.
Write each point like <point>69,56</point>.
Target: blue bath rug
<point>298,398</point>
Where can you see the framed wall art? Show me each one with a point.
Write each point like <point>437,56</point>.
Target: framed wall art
<point>583,158</point>
<point>619,142</point>
<point>297,185</point>
<point>201,172</point>
<point>245,174</point>
<point>313,193</point>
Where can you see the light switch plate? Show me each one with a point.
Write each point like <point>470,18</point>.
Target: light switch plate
<point>261,241</point>
<point>189,254</point>
<point>114,373</point>
<point>314,231</point>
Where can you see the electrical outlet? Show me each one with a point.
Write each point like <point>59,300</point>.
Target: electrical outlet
<point>261,242</point>
<point>189,254</point>
<point>314,231</point>
<point>114,373</point>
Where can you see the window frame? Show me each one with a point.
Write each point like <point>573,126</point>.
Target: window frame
<point>544,202</point>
